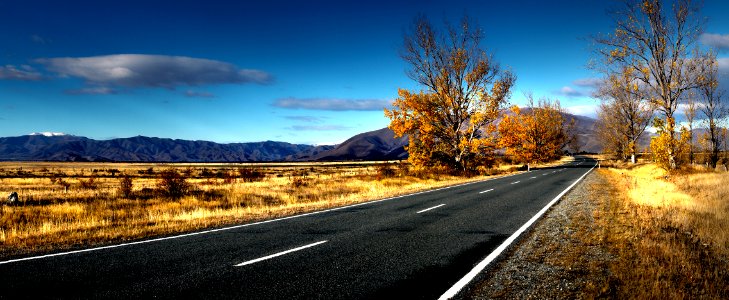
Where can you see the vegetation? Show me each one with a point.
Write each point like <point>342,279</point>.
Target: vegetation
<point>535,135</point>
<point>653,43</point>
<point>623,115</point>
<point>132,201</point>
<point>668,233</point>
<point>714,107</point>
<point>449,124</point>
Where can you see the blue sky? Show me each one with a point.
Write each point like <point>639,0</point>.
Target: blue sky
<point>314,72</point>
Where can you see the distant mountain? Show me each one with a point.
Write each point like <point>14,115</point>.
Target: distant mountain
<point>374,145</point>
<point>140,148</point>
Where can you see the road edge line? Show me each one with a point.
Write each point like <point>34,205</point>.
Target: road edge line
<point>458,286</point>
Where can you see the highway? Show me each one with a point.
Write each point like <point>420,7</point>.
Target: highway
<point>415,247</point>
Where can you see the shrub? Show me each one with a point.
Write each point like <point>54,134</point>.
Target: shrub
<point>385,171</point>
<point>125,186</point>
<point>251,175</point>
<point>88,184</point>
<point>172,184</point>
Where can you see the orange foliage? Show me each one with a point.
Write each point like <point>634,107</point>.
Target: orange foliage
<point>450,123</point>
<point>536,134</point>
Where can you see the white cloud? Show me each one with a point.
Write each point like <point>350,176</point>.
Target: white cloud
<point>307,119</point>
<point>24,72</point>
<point>588,82</point>
<point>138,70</point>
<point>319,127</point>
<point>39,39</point>
<point>718,41</point>
<point>570,92</point>
<point>332,104</point>
<point>583,110</point>
<point>198,94</point>
<point>98,90</point>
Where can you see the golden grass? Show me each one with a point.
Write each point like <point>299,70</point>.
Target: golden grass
<point>50,217</point>
<point>667,232</point>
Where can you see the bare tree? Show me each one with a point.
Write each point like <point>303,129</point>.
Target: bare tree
<point>624,113</point>
<point>653,41</point>
<point>713,106</point>
<point>690,113</point>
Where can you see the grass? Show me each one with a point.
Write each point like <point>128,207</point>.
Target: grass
<point>70,205</point>
<point>668,234</point>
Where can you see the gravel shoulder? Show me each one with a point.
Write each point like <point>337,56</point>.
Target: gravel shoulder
<point>553,260</point>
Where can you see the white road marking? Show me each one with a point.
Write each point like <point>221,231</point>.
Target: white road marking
<point>427,209</point>
<point>279,254</point>
<point>515,182</point>
<point>453,291</point>
<point>486,191</point>
<point>532,177</point>
<point>545,174</point>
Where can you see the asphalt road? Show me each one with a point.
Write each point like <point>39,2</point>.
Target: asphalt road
<point>415,246</point>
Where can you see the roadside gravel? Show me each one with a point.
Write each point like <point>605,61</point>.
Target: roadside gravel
<point>553,261</point>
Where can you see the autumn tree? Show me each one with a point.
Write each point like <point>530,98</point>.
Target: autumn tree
<point>623,113</point>
<point>653,41</point>
<point>537,133</point>
<point>463,91</point>
<point>713,106</point>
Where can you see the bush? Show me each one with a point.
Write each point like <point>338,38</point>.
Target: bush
<point>251,175</point>
<point>125,186</point>
<point>172,184</point>
<point>88,184</point>
<point>385,171</point>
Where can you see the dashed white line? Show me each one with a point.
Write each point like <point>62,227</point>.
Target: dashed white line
<point>515,182</point>
<point>279,254</point>
<point>533,177</point>
<point>486,191</point>
<point>427,209</point>
<point>545,174</point>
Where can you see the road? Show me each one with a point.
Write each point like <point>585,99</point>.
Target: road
<point>416,246</point>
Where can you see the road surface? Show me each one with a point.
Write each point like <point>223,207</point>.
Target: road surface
<point>414,247</point>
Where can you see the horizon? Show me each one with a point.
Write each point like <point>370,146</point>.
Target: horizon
<point>275,71</point>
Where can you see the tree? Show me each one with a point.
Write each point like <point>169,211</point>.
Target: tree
<point>623,115</point>
<point>654,42</point>
<point>450,121</point>
<point>690,113</point>
<point>713,106</point>
<point>535,134</point>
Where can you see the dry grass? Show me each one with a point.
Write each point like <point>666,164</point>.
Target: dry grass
<point>68,205</point>
<point>668,234</point>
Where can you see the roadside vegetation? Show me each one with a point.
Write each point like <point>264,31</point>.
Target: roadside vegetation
<point>669,233</point>
<point>66,205</point>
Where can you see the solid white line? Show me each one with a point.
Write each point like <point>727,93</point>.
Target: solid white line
<point>278,254</point>
<point>450,293</point>
<point>515,182</point>
<point>240,226</point>
<point>486,191</point>
<point>427,209</point>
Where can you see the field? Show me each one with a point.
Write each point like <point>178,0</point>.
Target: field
<point>70,205</point>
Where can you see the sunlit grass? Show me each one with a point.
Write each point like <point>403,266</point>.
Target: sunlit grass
<point>668,233</point>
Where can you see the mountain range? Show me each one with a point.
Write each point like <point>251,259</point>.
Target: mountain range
<point>374,145</point>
